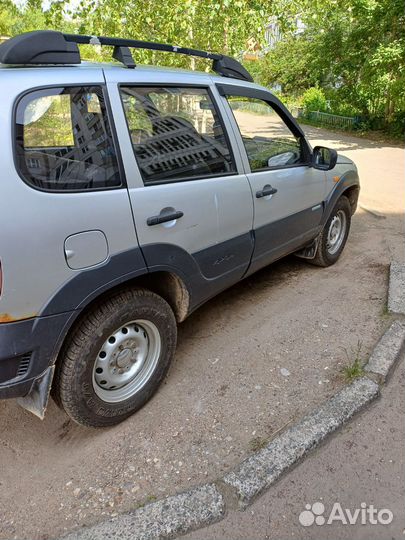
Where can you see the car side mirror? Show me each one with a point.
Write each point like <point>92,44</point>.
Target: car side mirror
<point>324,158</point>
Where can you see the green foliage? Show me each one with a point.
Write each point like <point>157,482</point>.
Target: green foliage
<point>339,102</point>
<point>353,371</point>
<point>218,25</point>
<point>354,50</point>
<point>355,366</point>
<point>15,20</point>
<point>314,99</point>
<point>290,64</point>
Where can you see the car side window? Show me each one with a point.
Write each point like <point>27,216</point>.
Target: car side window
<point>268,141</point>
<point>176,133</point>
<point>64,141</point>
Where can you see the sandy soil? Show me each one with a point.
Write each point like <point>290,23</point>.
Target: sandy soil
<point>249,362</point>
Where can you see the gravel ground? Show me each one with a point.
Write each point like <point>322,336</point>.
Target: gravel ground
<point>249,362</point>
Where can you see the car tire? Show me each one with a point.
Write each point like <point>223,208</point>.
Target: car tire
<point>115,358</point>
<point>333,237</point>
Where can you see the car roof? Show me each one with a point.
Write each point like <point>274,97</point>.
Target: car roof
<point>98,65</point>
<point>146,74</point>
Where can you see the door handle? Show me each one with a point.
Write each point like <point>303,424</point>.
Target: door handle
<point>266,191</point>
<point>163,218</point>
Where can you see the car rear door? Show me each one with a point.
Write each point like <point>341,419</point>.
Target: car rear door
<point>191,202</point>
<point>287,191</point>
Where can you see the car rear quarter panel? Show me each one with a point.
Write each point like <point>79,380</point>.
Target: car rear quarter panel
<point>34,224</point>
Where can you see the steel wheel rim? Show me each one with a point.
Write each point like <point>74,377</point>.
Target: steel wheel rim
<point>126,361</point>
<point>336,232</point>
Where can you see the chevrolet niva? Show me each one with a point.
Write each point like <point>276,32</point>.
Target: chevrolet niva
<point>130,196</point>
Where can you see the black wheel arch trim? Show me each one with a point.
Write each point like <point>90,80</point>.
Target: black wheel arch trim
<point>347,181</point>
<point>79,292</point>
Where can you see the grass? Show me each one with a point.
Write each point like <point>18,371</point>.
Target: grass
<point>257,443</point>
<point>353,371</point>
<point>385,313</point>
<point>355,367</point>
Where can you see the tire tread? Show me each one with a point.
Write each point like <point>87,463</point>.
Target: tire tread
<point>72,352</point>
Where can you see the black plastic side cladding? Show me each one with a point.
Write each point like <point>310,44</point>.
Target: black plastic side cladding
<point>347,181</point>
<point>88,284</point>
<point>40,336</point>
<point>206,272</point>
<point>39,47</point>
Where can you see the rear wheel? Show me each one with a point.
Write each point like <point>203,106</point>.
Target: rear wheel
<point>116,358</point>
<point>334,234</point>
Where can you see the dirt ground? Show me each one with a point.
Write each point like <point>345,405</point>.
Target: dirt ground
<point>249,362</point>
<point>363,461</point>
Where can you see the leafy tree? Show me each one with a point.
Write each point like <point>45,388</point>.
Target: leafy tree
<point>355,49</point>
<point>314,99</point>
<point>220,25</point>
<point>291,65</point>
<point>14,20</point>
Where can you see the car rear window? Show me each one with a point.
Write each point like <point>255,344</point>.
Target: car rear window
<point>63,140</point>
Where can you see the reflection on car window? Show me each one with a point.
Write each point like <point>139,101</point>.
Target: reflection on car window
<point>176,133</point>
<point>63,140</point>
<point>268,141</point>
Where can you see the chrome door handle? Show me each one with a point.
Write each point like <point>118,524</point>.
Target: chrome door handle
<point>163,218</point>
<point>266,191</point>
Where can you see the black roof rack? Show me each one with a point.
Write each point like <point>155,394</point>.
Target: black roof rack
<point>51,47</point>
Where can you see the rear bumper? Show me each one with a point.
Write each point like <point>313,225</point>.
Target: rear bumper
<point>27,349</point>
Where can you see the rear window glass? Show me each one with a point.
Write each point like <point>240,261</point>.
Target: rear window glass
<point>63,140</point>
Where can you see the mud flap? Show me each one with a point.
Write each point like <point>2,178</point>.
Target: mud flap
<point>36,400</point>
<point>309,251</point>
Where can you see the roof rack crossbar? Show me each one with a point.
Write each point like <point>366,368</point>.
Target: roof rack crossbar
<point>137,44</point>
<point>223,65</point>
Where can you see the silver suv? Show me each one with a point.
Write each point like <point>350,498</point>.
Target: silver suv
<point>129,197</point>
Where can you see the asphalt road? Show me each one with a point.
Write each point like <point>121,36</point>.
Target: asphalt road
<point>249,362</point>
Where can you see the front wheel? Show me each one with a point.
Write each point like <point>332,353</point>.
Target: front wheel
<point>116,358</point>
<point>333,237</point>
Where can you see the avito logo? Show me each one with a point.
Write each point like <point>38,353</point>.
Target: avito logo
<point>366,514</point>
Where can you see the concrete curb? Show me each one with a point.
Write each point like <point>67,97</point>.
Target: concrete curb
<point>262,469</point>
<point>396,291</point>
<point>387,350</point>
<point>372,211</point>
<point>206,504</point>
<point>167,518</point>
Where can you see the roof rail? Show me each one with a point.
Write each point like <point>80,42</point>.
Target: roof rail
<point>51,47</point>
